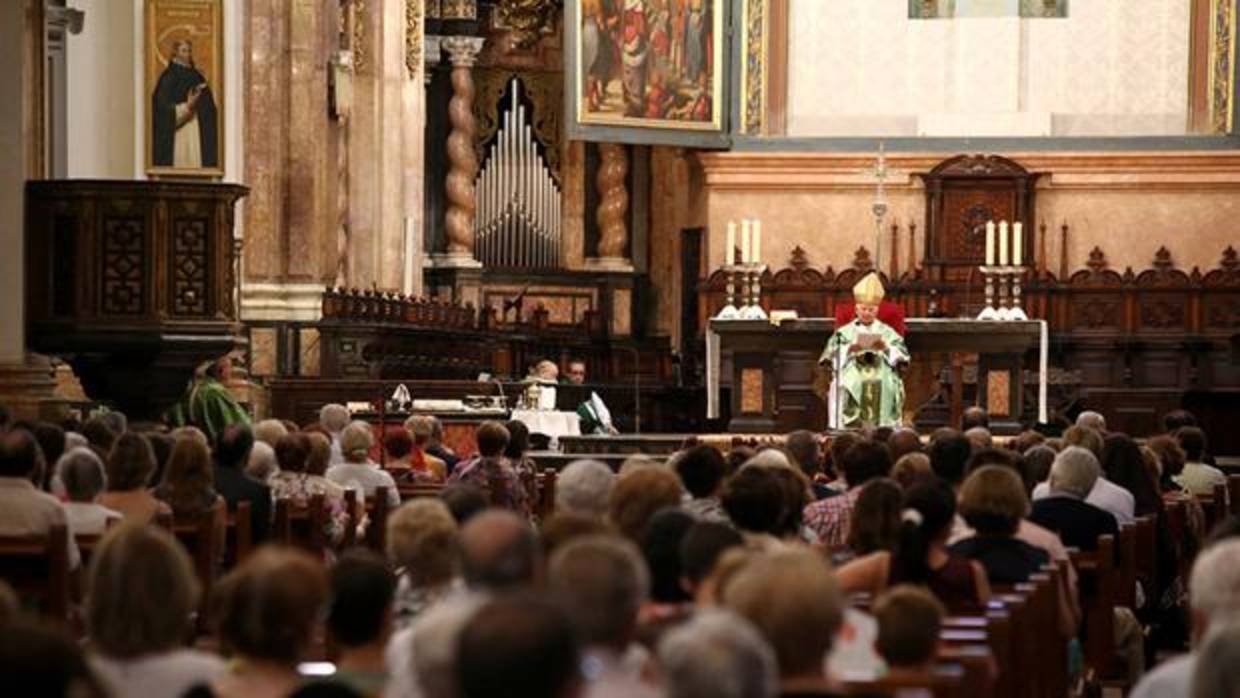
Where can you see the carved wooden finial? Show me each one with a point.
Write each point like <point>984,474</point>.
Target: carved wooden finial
<point>1230,259</point>
<point>798,260</point>
<point>861,259</point>
<point>1162,259</point>
<point>1097,260</point>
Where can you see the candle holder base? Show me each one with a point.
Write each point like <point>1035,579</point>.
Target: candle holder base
<point>989,313</point>
<point>752,312</point>
<point>728,312</point>
<point>1016,314</point>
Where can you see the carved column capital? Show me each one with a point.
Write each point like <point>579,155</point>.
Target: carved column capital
<point>462,50</point>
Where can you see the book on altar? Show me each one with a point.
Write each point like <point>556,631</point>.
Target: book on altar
<point>868,340</point>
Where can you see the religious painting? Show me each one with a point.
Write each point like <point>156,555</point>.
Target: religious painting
<point>184,73</point>
<point>647,64</point>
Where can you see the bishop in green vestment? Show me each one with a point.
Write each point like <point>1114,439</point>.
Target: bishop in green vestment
<point>207,404</point>
<point>866,390</point>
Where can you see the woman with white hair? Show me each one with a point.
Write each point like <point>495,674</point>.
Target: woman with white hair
<point>718,654</point>
<point>583,487</point>
<point>262,464</point>
<point>358,471</point>
<point>334,417</point>
<point>80,473</point>
<point>269,431</point>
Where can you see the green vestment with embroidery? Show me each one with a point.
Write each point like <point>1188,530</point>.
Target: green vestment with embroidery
<point>870,392</point>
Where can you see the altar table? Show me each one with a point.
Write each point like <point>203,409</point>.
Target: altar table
<point>764,357</point>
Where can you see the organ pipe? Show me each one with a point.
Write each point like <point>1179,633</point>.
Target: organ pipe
<point>518,221</point>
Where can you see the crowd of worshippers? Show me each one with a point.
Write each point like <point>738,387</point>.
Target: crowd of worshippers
<point>713,573</point>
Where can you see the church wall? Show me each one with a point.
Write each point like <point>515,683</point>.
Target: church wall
<point>106,96</point>
<point>860,67</point>
<point>1127,204</point>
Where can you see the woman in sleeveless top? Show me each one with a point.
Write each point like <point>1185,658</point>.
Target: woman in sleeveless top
<point>921,556</point>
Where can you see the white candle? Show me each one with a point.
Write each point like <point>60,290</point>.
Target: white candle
<point>990,243</point>
<point>1003,243</point>
<point>757,241</point>
<point>1017,246</point>
<point>745,241</point>
<point>730,251</point>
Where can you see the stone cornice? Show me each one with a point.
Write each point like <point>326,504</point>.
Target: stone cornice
<point>1178,170</point>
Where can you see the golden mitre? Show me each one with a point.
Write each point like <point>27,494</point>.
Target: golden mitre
<point>869,290</point>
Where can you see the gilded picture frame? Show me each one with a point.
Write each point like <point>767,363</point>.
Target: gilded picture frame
<point>183,76</point>
<point>647,71</point>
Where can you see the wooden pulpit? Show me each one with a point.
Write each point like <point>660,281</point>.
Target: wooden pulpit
<point>132,282</point>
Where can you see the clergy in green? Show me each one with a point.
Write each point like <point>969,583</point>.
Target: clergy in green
<point>863,354</point>
<point>208,404</point>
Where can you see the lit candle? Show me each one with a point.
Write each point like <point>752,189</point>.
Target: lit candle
<point>745,249</point>
<point>757,241</point>
<point>1003,243</point>
<point>730,251</point>
<point>1017,247</point>
<point>990,243</point>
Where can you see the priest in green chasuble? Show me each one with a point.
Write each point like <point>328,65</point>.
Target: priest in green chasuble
<point>863,354</point>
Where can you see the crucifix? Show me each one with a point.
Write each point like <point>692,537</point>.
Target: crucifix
<point>879,207</point>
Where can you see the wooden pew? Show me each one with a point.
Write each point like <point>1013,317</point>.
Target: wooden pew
<point>1126,566</point>
<point>413,490</point>
<point>1233,493</point>
<point>945,680</point>
<point>546,494</point>
<point>37,567</point>
<point>302,526</point>
<point>1147,554</point>
<point>377,510</point>
<point>238,535</point>
<point>1096,571</point>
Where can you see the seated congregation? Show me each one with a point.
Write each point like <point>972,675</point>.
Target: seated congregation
<point>283,560</point>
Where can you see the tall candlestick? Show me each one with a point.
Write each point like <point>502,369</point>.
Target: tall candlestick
<point>1003,243</point>
<point>730,251</point>
<point>1017,244</point>
<point>745,248</point>
<point>756,244</point>
<point>990,243</point>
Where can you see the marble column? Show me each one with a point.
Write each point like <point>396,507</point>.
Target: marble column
<point>613,208</point>
<point>462,203</point>
<point>26,386</point>
<point>413,93</point>
<point>288,231</point>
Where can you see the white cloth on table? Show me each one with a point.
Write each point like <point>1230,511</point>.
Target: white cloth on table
<point>550,422</point>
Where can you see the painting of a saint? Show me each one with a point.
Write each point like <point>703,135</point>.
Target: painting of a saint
<point>650,63</point>
<point>183,114</point>
<point>184,73</point>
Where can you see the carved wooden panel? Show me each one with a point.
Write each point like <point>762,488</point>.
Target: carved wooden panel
<point>752,390</point>
<point>123,252</point>
<point>1163,312</point>
<point>190,266</point>
<point>962,236</point>
<point>1096,312</point>
<point>998,393</point>
<point>1222,312</point>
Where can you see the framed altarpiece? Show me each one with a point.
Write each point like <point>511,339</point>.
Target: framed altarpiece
<point>648,71</point>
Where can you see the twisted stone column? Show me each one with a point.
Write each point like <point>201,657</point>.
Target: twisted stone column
<point>462,198</point>
<point>614,204</point>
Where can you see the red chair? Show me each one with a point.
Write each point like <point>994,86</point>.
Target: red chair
<point>891,314</point>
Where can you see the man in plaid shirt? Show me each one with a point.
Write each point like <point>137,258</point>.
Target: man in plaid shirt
<point>829,517</point>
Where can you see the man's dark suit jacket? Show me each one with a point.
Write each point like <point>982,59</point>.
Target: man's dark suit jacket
<point>1078,524</point>
<point>235,486</point>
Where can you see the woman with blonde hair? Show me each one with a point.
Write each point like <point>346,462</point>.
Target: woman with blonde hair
<point>139,615</point>
<point>423,544</point>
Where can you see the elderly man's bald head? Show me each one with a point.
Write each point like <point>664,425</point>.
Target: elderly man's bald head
<point>499,551</point>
